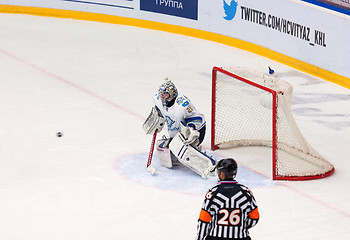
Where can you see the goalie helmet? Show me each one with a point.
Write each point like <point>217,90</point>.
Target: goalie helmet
<point>167,92</point>
<point>228,166</point>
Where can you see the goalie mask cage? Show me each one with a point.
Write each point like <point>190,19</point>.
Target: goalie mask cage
<point>250,108</point>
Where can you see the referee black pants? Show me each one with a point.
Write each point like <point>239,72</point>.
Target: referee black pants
<point>216,238</point>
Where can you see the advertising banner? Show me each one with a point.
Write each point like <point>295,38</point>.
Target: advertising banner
<point>180,8</point>
<point>265,21</point>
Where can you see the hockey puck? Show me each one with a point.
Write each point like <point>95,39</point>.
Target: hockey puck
<point>59,134</point>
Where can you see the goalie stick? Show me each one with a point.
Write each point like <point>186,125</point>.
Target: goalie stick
<point>150,168</point>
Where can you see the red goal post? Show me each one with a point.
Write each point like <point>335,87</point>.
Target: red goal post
<point>250,108</point>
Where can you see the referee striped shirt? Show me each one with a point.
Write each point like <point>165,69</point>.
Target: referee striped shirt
<point>228,211</point>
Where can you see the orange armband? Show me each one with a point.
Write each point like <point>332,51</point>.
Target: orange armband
<point>254,214</point>
<point>204,216</point>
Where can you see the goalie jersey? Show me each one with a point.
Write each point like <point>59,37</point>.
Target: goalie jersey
<point>181,111</point>
<point>228,211</point>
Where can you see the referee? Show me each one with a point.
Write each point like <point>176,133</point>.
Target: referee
<point>229,208</point>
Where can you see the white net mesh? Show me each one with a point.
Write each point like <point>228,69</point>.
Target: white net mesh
<point>244,117</point>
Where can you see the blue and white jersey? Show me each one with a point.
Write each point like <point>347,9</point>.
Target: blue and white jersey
<point>181,111</point>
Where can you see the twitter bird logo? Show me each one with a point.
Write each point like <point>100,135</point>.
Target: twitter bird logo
<point>230,10</point>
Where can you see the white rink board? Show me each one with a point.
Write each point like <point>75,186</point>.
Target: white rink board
<point>306,32</point>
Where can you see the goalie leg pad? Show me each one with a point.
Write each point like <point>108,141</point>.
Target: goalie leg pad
<point>191,157</point>
<point>164,153</point>
<point>155,121</point>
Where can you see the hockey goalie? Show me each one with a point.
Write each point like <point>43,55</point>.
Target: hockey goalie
<point>186,130</point>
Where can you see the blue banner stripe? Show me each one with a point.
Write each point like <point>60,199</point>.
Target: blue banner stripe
<point>101,4</point>
<point>329,6</point>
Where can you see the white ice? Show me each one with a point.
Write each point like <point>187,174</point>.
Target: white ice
<point>94,83</point>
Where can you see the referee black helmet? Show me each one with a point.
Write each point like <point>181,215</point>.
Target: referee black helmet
<point>228,166</point>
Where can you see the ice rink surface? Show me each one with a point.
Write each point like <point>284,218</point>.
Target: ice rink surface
<point>94,83</point>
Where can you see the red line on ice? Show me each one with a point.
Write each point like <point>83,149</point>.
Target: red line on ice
<point>70,83</point>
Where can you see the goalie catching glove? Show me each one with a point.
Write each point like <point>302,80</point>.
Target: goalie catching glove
<point>154,122</point>
<point>190,134</point>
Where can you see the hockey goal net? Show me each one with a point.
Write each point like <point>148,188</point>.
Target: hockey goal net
<point>250,108</point>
